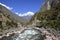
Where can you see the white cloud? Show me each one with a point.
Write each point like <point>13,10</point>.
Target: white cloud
<point>25,14</point>
<point>20,14</point>
<point>6,6</point>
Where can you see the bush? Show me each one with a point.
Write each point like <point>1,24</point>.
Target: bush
<point>50,16</point>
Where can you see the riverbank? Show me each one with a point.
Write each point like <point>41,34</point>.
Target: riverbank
<point>10,31</point>
<point>50,34</point>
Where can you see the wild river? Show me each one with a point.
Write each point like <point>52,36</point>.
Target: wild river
<point>26,34</point>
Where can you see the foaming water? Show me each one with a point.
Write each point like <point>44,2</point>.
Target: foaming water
<point>27,34</point>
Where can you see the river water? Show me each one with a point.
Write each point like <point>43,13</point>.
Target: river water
<point>26,34</point>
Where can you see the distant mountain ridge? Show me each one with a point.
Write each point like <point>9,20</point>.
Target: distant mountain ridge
<point>12,15</point>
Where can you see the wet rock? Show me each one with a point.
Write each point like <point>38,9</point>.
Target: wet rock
<point>26,34</point>
<point>30,34</point>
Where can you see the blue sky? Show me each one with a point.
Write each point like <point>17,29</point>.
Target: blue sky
<point>23,6</point>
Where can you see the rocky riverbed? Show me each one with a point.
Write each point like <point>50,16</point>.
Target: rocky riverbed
<point>33,33</point>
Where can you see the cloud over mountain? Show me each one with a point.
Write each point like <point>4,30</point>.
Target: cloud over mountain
<point>26,14</point>
<point>10,8</point>
<point>29,13</point>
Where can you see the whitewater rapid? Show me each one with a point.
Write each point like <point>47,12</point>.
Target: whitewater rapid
<point>26,34</point>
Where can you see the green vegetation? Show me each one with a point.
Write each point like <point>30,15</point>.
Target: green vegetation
<point>49,18</point>
<point>7,21</point>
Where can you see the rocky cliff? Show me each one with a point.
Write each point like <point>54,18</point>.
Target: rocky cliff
<point>49,16</point>
<point>49,4</point>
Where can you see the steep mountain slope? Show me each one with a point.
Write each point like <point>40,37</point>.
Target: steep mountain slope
<point>49,4</point>
<point>9,19</point>
<point>12,15</point>
<point>49,18</point>
<point>6,22</point>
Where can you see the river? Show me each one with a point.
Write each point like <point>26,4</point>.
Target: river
<point>26,34</point>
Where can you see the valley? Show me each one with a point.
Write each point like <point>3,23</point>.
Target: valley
<point>43,25</point>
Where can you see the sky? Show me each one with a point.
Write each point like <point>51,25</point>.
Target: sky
<point>23,7</point>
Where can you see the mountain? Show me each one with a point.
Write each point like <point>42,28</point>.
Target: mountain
<point>5,21</point>
<point>28,17</point>
<point>49,4</point>
<point>48,17</point>
<point>12,15</point>
<point>49,14</point>
<point>9,19</point>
